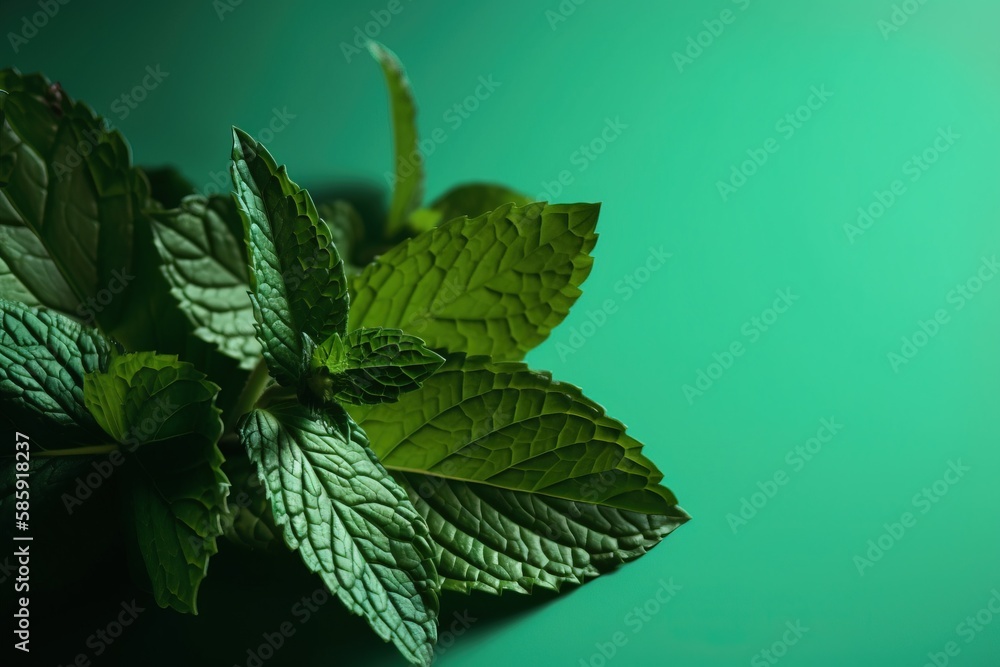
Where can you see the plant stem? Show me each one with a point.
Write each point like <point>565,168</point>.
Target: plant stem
<point>78,451</point>
<point>251,392</point>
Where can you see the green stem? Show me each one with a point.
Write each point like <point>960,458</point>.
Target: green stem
<point>78,451</point>
<point>252,391</point>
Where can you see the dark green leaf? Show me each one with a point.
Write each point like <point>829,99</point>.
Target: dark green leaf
<point>298,286</point>
<point>371,366</point>
<point>408,187</point>
<point>68,209</point>
<point>493,285</point>
<point>178,498</point>
<point>175,481</point>
<point>204,260</point>
<point>522,479</point>
<point>350,521</point>
<point>249,522</point>
<point>44,358</point>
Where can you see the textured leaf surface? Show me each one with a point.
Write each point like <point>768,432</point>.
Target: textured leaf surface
<point>522,479</point>
<point>350,521</point>
<point>204,260</point>
<point>146,397</point>
<point>176,485</point>
<point>70,201</point>
<point>297,280</point>
<point>372,365</point>
<point>408,187</point>
<point>469,199</point>
<point>44,358</point>
<point>249,522</point>
<point>495,285</point>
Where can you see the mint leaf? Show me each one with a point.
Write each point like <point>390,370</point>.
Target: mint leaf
<point>408,186</point>
<point>178,497</point>
<point>495,285</point>
<point>371,366</point>
<point>533,485</point>
<point>163,410</point>
<point>201,246</point>
<point>44,358</point>
<point>297,281</point>
<point>145,397</point>
<point>71,199</point>
<point>469,199</point>
<point>249,522</point>
<point>350,521</point>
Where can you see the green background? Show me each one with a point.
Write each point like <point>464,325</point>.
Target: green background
<point>857,295</point>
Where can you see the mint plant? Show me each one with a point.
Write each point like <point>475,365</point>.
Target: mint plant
<point>367,373</point>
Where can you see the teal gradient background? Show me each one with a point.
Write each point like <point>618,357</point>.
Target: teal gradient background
<point>857,294</point>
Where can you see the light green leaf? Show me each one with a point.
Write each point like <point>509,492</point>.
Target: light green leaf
<point>69,206</point>
<point>495,285</point>
<point>469,199</point>
<point>297,281</point>
<point>204,260</point>
<point>350,521</point>
<point>371,366</point>
<point>177,490</point>
<point>44,358</point>
<point>523,481</point>
<point>408,187</point>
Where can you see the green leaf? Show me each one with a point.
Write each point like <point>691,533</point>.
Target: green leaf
<point>68,209</point>
<point>178,498</point>
<point>469,199</point>
<point>163,410</point>
<point>523,481</point>
<point>297,281</point>
<point>371,366</point>
<point>201,246</point>
<point>249,522</point>
<point>168,187</point>
<point>495,285</point>
<point>408,186</point>
<point>145,397</point>
<point>349,520</point>
<point>44,358</point>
